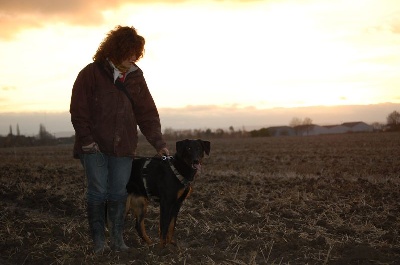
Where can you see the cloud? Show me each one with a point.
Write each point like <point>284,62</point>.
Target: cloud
<point>24,14</point>
<point>395,27</point>
<point>389,22</point>
<point>393,21</point>
<point>18,15</point>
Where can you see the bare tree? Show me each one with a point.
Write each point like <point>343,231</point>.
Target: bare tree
<point>393,121</point>
<point>295,122</point>
<point>44,134</point>
<point>219,132</point>
<point>393,118</point>
<point>377,126</point>
<point>307,121</point>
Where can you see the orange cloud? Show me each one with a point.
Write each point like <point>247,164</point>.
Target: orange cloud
<point>26,14</point>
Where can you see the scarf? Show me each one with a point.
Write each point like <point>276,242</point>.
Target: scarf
<point>121,72</point>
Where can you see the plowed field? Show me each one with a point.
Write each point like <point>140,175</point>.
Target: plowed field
<point>292,200</point>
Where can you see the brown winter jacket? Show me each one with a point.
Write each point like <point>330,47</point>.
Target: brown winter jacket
<point>103,114</point>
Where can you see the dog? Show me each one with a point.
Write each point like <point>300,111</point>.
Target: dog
<point>166,180</point>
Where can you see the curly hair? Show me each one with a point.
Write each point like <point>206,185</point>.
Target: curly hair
<point>120,44</point>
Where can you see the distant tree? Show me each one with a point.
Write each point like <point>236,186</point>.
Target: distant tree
<point>393,120</point>
<point>169,133</point>
<point>263,132</point>
<point>295,122</point>
<point>11,132</point>
<point>307,121</point>
<point>18,133</point>
<point>208,132</point>
<point>231,129</point>
<point>198,133</point>
<point>377,126</point>
<point>219,132</point>
<point>44,134</point>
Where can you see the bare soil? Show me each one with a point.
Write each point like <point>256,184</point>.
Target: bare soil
<point>331,199</point>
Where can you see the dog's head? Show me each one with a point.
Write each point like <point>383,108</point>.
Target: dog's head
<point>192,151</point>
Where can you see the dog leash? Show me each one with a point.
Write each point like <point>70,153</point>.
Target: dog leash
<point>181,178</point>
<point>144,177</point>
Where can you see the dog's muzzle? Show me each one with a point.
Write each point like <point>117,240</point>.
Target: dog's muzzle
<point>196,165</point>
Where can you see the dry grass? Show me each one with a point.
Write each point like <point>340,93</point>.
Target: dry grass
<point>310,200</point>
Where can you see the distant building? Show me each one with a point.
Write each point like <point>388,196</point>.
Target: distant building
<point>335,129</point>
<point>309,129</point>
<point>312,129</point>
<point>281,131</point>
<point>358,126</point>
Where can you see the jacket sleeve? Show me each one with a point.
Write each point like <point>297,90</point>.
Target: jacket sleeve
<point>80,107</point>
<point>147,116</point>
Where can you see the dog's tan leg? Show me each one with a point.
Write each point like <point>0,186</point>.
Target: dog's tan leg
<point>181,193</point>
<point>170,233</point>
<point>128,205</point>
<point>139,206</point>
<point>165,215</point>
<point>190,192</point>
<point>168,218</point>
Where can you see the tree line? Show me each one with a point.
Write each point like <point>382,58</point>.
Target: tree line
<point>392,124</point>
<point>42,138</point>
<point>46,138</point>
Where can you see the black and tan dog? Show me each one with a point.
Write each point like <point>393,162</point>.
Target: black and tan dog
<point>166,180</point>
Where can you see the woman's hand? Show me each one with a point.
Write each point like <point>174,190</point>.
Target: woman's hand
<point>163,152</point>
<point>91,148</point>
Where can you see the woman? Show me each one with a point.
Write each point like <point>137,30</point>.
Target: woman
<point>109,100</point>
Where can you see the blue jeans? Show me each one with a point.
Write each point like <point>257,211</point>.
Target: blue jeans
<point>107,177</point>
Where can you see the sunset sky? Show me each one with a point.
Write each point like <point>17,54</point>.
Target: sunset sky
<point>210,54</point>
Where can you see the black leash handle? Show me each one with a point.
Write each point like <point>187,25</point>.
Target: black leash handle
<point>155,157</point>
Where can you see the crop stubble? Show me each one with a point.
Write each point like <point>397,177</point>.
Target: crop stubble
<point>291,200</point>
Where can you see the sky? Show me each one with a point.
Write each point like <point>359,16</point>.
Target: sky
<point>223,57</point>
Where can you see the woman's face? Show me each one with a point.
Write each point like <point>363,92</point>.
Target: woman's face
<point>129,62</point>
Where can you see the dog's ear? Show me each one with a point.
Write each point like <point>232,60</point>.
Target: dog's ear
<point>206,146</point>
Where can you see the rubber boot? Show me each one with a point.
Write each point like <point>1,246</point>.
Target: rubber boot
<point>96,217</point>
<point>116,215</point>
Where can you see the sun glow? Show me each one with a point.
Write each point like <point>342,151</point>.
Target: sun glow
<point>261,53</point>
